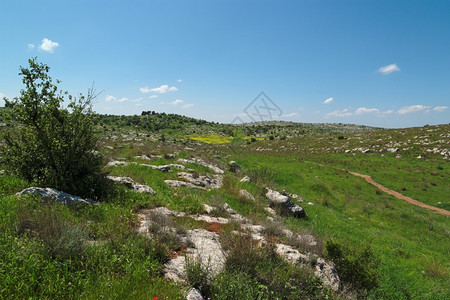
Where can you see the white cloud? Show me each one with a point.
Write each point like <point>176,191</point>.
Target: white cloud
<point>412,109</point>
<point>153,96</point>
<point>389,69</point>
<point>339,113</point>
<point>138,99</point>
<point>188,105</point>
<point>180,80</point>
<point>110,98</point>
<point>363,110</point>
<point>328,101</point>
<point>31,46</point>
<point>440,108</point>
<point>48,45</point>
<point>160,90</point>
<point>292,114</point>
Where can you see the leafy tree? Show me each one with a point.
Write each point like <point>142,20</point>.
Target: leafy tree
<point>49,144</point>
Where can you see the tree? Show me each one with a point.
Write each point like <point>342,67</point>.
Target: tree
<point>49,144</point>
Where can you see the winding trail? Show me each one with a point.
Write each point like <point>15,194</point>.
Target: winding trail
<point>401,196</point>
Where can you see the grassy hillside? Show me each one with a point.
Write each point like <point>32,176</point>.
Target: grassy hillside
<point>99,253</point>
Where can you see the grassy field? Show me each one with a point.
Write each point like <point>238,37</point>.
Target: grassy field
<point>53,251</point>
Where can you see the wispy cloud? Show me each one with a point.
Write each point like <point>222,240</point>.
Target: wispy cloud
<point>188,105</point>
<point>292,114</point>
<point>388,69</point>
<point>173,103</point>
<point>440,108</point>
<point>339,113</point>
<point>412,109</point>
<point>153,96</point>
<point>31,46</point>
<point>110,98</point>
<point>160,90</point>
<point>180,80</point>
<point>47,45</point>
<point>328,100</point>
<point>375,111</point>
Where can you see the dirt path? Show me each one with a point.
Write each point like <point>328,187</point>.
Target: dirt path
<point>400,196</point>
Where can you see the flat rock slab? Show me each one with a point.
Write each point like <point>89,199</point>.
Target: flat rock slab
<point>201,162</point>
<point>246,195</point>
<point>52,194</point>
<point>207,250</point>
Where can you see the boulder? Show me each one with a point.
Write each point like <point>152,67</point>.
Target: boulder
<point>246,195</point>
<point>52,194</point>
<point>234,166</point>
<point>285,204</point>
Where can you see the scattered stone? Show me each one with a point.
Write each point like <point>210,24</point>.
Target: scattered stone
<point>234,166</point>
<point>109,147</point>
<point>163,168</point>
<point>245,179</point>
<point>179,183</point>
<point>194,294</point>
<point>129,183</point>
<point>287,206</point>
<point>246,195</point>
<point>52,194</point>
<point>310,203</point>
<point>228,209</point>
<point>392,150</point>
<point>270,211</point>
<point>170,156</point>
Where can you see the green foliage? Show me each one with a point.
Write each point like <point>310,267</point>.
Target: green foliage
<point>356,267</point>
<point>49,144</point>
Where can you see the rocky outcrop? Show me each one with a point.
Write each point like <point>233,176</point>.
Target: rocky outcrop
<point>322,269</point>
<point>114,163</point>
<point>285,204</point>
<point>52,194</point>
<point>203,181</point>
<point>129,183</point>
<point>179,183</point>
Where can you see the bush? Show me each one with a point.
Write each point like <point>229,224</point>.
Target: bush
<point>356,267</point>
<point>51,145</point>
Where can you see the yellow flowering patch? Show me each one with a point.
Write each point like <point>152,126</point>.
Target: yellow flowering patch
<point>218,139</point>
<point>211,138</point>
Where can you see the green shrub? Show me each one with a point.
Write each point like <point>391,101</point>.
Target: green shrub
<point>52,145</point>
<point>357,267</point>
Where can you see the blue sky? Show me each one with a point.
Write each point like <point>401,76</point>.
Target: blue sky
<point>380,63</point>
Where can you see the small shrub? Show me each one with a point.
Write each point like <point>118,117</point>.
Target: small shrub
<point>199,276</point>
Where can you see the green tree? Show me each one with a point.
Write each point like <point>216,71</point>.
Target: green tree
<point>49,144</point>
